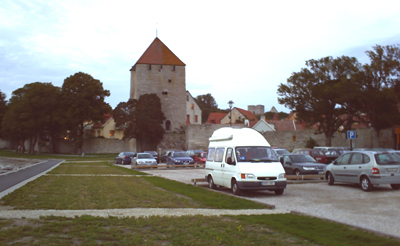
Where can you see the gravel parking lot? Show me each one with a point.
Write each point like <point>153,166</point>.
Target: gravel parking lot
<point>378,210</point>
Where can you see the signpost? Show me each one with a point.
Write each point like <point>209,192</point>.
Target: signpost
<point>351,135</point>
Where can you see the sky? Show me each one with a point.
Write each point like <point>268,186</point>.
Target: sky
<point>235,50</point>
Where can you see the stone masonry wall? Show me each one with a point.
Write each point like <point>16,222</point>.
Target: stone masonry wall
<point>198,135</point>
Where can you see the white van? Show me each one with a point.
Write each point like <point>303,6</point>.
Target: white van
<point>242,159</point>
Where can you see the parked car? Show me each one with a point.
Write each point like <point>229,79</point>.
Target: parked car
<point>280,152</point>
<point>200,158</point>
<point>295,150</point>
<point>325,149</point>
<point>317,154</point>
<point>154,154</point>
<point>164,157</point>
<point>179,158</point>
<point>143,159</point>
<point>299,164</point>
<point>124,158</point>
<point>333,154</point>
<point>367,168</point>
<point>193,152</point>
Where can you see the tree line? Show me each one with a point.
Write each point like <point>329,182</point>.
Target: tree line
<point>41,112</point>
<point>323,96</point>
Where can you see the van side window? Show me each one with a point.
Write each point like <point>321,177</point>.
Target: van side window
<point>219,154</point>
<point>211,153</point>
<point>229,153</point>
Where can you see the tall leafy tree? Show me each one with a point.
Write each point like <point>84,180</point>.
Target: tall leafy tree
<point>318,93</point>
<point>142,120</point>
<point>33,114</point>
<point>83,103</point>
<point>3,109</point>
<point>207,105</point>
<point>377,85</point>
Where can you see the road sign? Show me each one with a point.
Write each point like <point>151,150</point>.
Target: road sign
<point>351,134</point>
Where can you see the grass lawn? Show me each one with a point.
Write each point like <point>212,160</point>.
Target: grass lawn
<point>134,189</point>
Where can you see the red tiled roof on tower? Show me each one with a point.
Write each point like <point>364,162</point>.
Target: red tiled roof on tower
<point>159,54</point>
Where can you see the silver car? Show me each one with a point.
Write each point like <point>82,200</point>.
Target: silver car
<point>367,168</point>
<point>143,159</point>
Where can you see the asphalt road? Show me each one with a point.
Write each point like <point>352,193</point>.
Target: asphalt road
<point>15,179</point>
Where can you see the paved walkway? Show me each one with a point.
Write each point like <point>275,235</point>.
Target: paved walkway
<point>135,212</point>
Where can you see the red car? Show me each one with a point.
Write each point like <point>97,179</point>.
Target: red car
<point>200,158</point>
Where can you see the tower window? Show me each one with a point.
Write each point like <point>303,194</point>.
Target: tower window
<point>168,125</point>
<point>173,68</point>
<point>195,118</point>
<point>165,92</point>
<point>192,106</point>
<point>187,98</point>
<point>160,68</point>
<point>149,67</point>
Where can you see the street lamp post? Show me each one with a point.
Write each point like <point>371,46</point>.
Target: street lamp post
<point>348,76</point>
<point>230,112</point>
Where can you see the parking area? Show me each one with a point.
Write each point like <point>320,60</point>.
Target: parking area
<point>378,210</point>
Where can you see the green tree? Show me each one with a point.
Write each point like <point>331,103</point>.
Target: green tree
<point>3,109</point>
<point>207,105</point>
<point>317,93</point>
<point>83,103</point>
<point>377,85</point>
<point>142,120</point>
<point>32,114</point>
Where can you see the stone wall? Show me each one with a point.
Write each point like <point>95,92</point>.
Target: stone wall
<point>198,135</point>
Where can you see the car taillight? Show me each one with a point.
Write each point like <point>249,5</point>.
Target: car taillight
<point>375,170</point>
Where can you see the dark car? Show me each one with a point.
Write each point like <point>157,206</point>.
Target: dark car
<point>333,154</point>
<point>298,164</point>
<point>164,157</point>
<point>317,154</point>
<point>154,154</point>
<point>179,158</point>
<point>124,158</point>
<point>193,152</point>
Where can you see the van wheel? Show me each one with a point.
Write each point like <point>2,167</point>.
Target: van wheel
<point>395,186</point>
<point>235,188</point>
<point>365,184</point>
<point>331,180</point>
<point>211,184</point>
<point>278,192</point>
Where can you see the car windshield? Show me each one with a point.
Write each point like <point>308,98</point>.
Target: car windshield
<point>181,154</point>
<point>282,152</point>
<point>128,153</point>
<point>302,158</point>
<point>152,152</point>
<point>144,156</point>
<point>255,154</point>
<point>387,159</point>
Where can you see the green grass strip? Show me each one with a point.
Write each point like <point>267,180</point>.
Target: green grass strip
<point>207,197</point>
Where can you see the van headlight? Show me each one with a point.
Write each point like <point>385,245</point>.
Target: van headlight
<point>309,168</point>
<point>247,176</point>
<point>282,176</point>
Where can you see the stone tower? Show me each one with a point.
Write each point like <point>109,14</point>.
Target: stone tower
<point>161,72</point>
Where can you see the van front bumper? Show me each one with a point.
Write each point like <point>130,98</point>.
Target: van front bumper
<point>258,185</point>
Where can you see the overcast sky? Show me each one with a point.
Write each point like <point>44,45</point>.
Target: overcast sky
<point>235,50</point>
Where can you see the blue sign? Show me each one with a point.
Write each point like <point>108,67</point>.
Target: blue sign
<point>351,135</point>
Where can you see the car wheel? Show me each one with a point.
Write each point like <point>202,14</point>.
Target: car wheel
<point>278,192</point>
<point>296,172</point>
<point>235,188</point>
<point>365,184</point>
<point>331,180</point>
<point>211,184</point>
<point>395,186</point>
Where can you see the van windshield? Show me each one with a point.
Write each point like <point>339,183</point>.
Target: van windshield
<point>255,154</point>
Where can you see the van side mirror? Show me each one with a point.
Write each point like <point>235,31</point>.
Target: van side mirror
<point>230,161</point>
